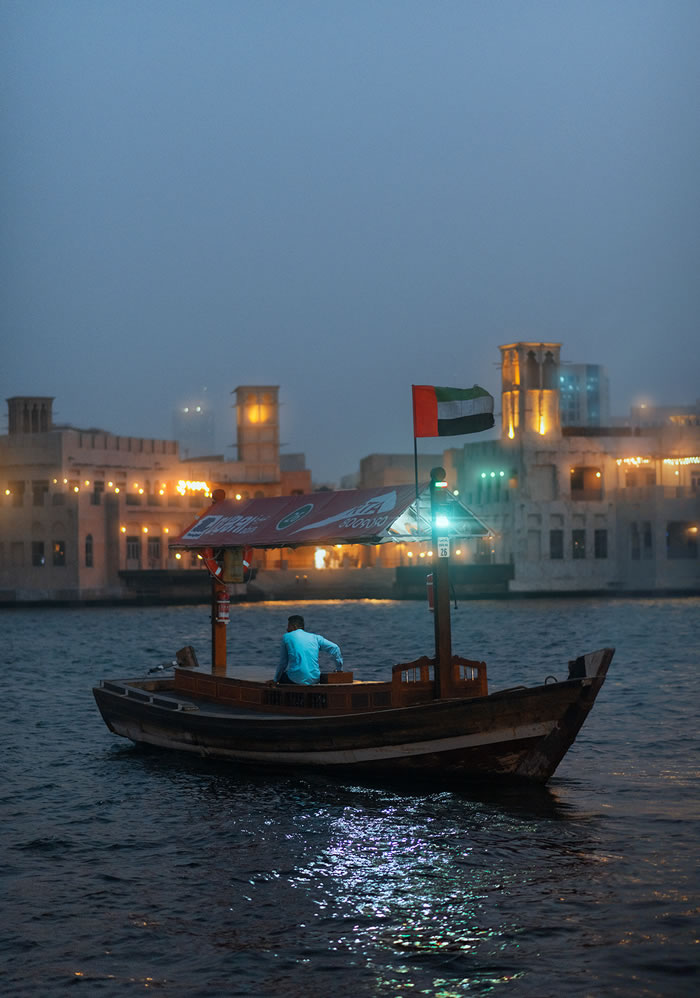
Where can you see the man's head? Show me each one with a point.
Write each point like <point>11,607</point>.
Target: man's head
<point>295,622</point>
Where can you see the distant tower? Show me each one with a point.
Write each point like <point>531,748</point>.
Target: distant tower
<point>193,428</point>
<point>30,414</point>
<point>584,395</point>
<point>258,429</point>
<point>530,390</point>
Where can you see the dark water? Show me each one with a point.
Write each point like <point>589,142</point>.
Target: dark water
<point>125,870</point>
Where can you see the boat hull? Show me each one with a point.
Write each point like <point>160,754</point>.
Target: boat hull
<point>521,733</point>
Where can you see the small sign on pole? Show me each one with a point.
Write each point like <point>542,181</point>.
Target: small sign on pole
<point>443,545</point>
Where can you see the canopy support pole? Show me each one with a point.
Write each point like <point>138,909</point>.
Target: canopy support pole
<point>219,623</point>
<point>441,583</point>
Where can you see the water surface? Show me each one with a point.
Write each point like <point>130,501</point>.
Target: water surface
<point>125,870</point>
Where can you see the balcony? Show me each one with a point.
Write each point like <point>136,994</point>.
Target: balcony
<point>587,495</point>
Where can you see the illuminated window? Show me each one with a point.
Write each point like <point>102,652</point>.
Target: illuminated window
<point>59,553</point>
<point>586,483</point>
<point>38,558</point>
<point>578,544</point>
<point>257,412</point>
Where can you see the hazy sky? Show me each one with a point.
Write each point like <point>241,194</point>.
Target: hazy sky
<point>343,198</point>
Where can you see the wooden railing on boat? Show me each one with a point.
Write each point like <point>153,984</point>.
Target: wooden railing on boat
<point>411,684</point>
<point>414,682</point>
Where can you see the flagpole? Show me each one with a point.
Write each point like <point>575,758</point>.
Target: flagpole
<point>415,470</point>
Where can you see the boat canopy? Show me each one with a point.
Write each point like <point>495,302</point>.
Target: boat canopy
<point>351,516</point>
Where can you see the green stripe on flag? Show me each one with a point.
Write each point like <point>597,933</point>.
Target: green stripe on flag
<point>463,410</point>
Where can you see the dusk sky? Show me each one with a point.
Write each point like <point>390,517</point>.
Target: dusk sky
<point>343,199</point>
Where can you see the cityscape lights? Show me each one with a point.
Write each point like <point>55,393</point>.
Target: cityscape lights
<point>191,488</point>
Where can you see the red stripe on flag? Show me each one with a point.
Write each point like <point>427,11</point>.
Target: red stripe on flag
<point>425,413</point>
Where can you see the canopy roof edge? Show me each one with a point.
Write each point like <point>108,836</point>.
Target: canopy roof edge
<point>352,516</point>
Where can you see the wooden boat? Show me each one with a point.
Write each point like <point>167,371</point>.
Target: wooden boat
<point>432,715</point>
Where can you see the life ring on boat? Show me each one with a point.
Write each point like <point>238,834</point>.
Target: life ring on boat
<point>247,564</point>
<point>213,567</point>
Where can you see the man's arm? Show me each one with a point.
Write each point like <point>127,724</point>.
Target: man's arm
<point>284,659</point>
<point>333,650</point>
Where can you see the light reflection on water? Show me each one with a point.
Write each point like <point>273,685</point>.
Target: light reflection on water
<point>440,897</point>
<point>126,869</point>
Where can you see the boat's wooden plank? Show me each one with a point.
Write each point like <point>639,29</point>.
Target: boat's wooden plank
<point>411,684</point>
<point>523,732</point>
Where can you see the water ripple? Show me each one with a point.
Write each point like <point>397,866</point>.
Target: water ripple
<point>126,870</point>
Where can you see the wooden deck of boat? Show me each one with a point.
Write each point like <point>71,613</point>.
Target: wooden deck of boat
<point>411,684</point>
<point>226,710</point>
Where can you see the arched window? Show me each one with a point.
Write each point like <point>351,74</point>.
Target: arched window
<point>533,370</point>
<point>549,371</point>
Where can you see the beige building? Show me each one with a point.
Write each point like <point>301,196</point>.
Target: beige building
<point>85,512</point>
<point>573,509</point>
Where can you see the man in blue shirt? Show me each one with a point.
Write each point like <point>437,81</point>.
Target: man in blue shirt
<point>299,655</point>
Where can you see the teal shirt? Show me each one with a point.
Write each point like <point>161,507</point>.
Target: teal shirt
<point>299,657</point>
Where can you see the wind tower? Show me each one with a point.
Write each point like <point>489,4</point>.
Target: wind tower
<point>258,431</point>
<point>30,413</point>
<point>530,391</point>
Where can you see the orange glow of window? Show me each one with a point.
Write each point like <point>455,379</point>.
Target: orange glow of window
<point>257,413</point>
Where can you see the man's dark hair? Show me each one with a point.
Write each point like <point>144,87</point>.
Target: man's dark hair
<point>296,620</point>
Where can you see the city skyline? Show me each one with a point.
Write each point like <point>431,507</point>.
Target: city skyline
<point>343,202</point>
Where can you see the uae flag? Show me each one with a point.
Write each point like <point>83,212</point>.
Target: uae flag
<point>445,412</point>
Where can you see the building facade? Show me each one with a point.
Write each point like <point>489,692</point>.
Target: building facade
<point>584,508</point>
<point>81,511</point>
